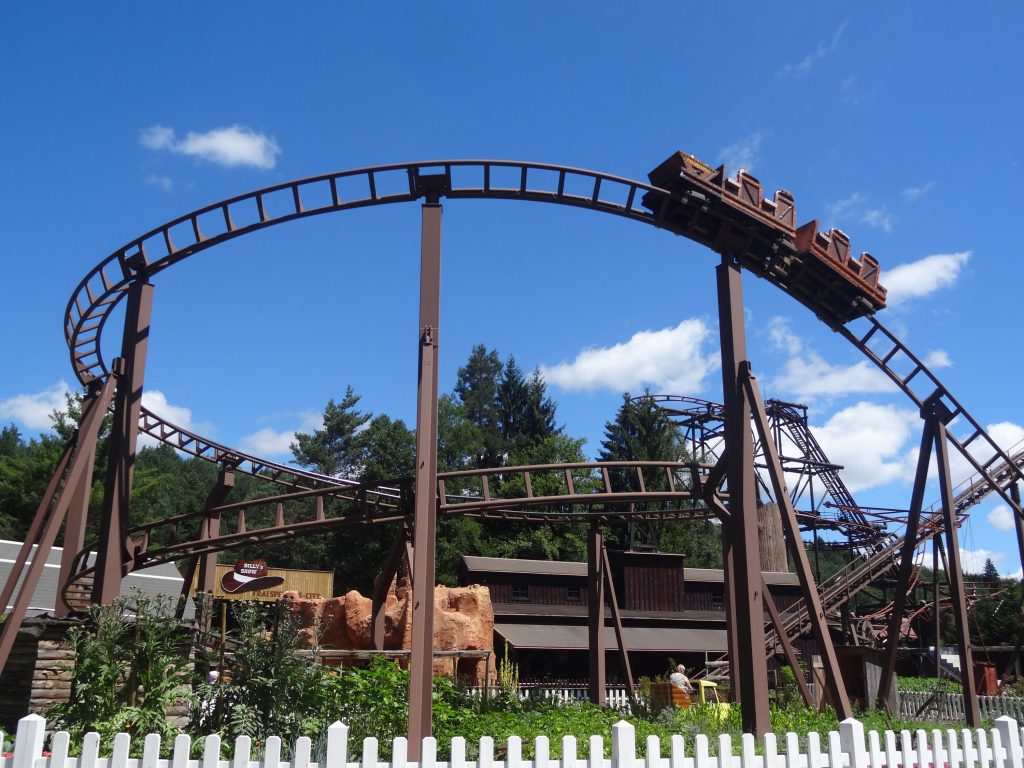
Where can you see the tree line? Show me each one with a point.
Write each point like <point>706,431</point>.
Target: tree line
<point>496,415</point>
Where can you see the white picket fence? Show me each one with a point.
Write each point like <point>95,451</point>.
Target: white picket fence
<point>950,706</point>
<point>850,747</point>
<point>616,696</point>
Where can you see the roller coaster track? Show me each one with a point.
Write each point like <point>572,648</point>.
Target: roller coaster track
<point>709,415</point>
<point>766,252</point>
<point>580,492</point>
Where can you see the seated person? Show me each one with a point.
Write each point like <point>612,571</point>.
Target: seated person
<point>679,679</point>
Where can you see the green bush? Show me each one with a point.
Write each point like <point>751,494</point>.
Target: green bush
<point>131,664</point>
<point>267,689</point>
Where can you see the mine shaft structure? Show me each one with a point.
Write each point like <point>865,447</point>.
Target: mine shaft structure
<point>685,197</point>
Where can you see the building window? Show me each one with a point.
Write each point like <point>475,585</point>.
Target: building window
<point>574,594</point>
<point>520,593</point>
<point>718,602</point>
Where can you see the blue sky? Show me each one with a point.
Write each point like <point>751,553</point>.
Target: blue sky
<point>899,126</point>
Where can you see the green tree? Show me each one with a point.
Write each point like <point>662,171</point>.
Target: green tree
<point>526,415</point>
<point>386,450</point>
<point>476,387</point>
<point>334,449</point>
<point>643,431</point>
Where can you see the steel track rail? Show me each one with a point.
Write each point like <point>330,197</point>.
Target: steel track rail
<point>585,493</point>
<point>106,284</point>
<point>95,297</point>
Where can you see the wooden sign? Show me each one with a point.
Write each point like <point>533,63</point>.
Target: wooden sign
<point>253,580</point>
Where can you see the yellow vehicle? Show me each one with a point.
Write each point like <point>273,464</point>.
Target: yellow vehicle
<point>665,695</point>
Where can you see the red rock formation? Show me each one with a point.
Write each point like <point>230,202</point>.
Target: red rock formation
<point>463,620</point>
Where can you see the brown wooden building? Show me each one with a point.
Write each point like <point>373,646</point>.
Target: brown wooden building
<point>670,613</point>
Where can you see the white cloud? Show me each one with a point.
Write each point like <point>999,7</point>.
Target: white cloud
<point>1001,518</point>
<point>924,276</point>
<point>973,560</point>
<point>1007,435</point>
<point>267,442</point>
<point>162,182</point>
<point>232,146</point>
<point>879,218</point>
<point>853,209</point>
<point>938,358</point>
<point>913,194</point>
<point>157,137</point>
<point>870,440</point>
<point>742,154</point>
<point>33,410</point>
<point>822,50</point>
<point>670,360</point>
<point>807,375</point>
<point>178,415</point>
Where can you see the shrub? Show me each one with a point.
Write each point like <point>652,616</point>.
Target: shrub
<point>131,664</point>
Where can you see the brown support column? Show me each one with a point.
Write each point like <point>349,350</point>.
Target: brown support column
<point>937,612</point>
<point>955,576</point>
<point>595,615</point>
<point>421,658</point>
<point>899,601</point>
<point>211,528</point>
<point>747,612</point>
<point>815,612</point>
<point>620,636</point>
<point>38,523</point>
<point>1018,521</point>
<point>88,430</point>
<point>74,529</point>
<point>787,647</point>
<point>130,372</point>
<point>732,642</point>
<point>381,586</point>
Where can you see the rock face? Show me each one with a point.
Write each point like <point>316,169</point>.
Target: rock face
<point>463,620</point>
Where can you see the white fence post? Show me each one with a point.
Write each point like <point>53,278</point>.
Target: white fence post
<point>623,745</point>
<point>28,744</point>
<point>1010,736</point>
<point>851,740</point>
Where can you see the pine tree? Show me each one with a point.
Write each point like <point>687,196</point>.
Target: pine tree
<point>335,449</point>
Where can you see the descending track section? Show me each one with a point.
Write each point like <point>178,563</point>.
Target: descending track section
<point>803,459</point>
<point>684,196</point>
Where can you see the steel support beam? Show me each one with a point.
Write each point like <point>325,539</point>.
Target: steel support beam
<point>130,373</point>
<point>381,587</point>
<point>620,636</point>
<point>787,646</point>
<point>899,601</point>
<point>815,612</point>
<point>36,527</point>
<point>1018,521</point>
<point>211,529</point>
<point>747,612</point>
<point>595,615</point>
<point>421,660</point>
<point>955,576</point>
<point>88,430</point>
<point>74,530</point>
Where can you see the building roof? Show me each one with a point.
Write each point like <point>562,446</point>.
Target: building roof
<point>160,579</point>
<point>575,638</point>
<point>516,565</point>
<point>717,575</point>
<point>581,612</point>
<point>476,564</point>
